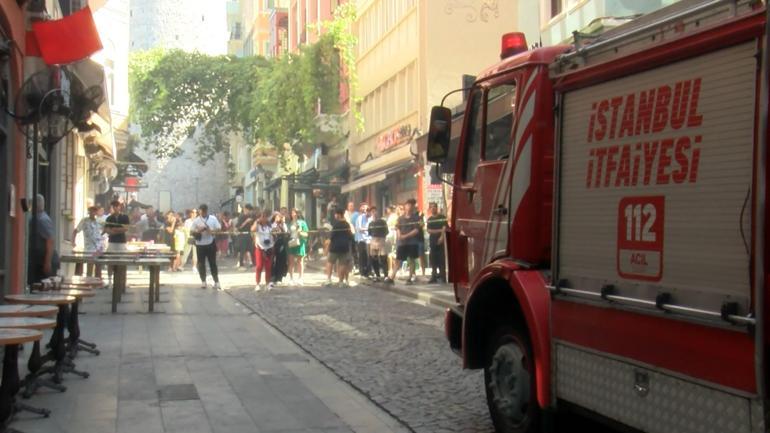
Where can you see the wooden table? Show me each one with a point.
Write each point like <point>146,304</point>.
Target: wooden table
<point>23,310</point>
<point>11,339</point>
<point>154,265</point>
<point>119,283</point>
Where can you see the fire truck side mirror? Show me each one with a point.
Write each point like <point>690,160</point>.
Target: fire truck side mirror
<point>439,134</point>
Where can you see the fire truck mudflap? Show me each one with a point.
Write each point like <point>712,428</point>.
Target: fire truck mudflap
<point>653,249</point>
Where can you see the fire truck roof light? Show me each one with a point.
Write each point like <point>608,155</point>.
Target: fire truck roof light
<point>513,43</point>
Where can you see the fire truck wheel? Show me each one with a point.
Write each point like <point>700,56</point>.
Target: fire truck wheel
<point>509,382</point>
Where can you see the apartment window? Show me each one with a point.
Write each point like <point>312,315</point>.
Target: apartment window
<point>556,7</point>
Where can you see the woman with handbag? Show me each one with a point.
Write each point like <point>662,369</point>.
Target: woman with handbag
<point>263,252</point>
<point>298,236</point>
<point>281,250</point>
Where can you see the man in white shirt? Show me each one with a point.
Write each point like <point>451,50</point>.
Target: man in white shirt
<point>202,230</point>
<point>92,228</point>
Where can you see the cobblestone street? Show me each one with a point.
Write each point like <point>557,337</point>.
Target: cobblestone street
<point>387,346</point>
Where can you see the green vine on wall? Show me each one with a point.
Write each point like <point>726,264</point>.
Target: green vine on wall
<point>339,29</point>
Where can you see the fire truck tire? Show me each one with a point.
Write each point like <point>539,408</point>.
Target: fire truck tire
<point>510,383</point>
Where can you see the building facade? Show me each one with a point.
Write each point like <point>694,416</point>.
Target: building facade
<point>13,158</point>
<point>410,55</point>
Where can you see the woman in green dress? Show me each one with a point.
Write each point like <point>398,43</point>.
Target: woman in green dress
<point>298,232</point>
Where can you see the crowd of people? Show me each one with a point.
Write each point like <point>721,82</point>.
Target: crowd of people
<point>275,244</point>
<point>377,246</point>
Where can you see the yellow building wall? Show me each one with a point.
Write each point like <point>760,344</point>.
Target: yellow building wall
<point>412,52</point>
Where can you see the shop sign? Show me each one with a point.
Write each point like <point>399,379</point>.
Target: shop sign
<point>394,138</point>
<point>434,194</point>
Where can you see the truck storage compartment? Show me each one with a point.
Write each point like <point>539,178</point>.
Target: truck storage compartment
<point>655,185</point>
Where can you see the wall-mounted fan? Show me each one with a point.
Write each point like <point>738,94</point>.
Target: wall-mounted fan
<point>56,101</point>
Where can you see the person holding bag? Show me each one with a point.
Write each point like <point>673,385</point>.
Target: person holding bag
<point>202,231</point>
<point>263,252</point>
<point>281,248</point>
<point>297,245</point>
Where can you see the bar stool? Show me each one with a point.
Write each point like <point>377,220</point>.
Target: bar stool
<point>58,349</point>
<point>11,339</point>
<point>37,324</point>
<point>33,381</point>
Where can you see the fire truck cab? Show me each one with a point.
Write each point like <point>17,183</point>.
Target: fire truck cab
<point>607,239</point>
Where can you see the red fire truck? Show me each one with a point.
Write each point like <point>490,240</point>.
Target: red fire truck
<point>608,228</point>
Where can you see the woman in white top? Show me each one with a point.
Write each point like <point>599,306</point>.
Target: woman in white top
<point>263,252</point>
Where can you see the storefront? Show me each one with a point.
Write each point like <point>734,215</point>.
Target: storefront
<point>389,179</point>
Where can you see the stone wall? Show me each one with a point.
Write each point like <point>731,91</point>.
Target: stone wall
<point>190,25</point>
<point>186,182</point>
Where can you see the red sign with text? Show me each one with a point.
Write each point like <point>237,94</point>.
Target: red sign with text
<point>640,237</point>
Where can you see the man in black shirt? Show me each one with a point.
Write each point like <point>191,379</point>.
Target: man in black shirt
<point>340,243</point>
<point>436,226</point>
<point>378,230</point>
<point>116,226</point>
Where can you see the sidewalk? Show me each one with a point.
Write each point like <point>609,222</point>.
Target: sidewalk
<point>201,363</point>
<point>439,295</point>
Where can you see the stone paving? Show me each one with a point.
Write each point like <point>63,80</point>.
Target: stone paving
<point>201,363</point>
<point>390,347</point>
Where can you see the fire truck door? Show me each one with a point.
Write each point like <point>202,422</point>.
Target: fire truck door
<point>482,213</point>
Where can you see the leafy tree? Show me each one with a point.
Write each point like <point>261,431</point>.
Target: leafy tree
<point>177,95</point>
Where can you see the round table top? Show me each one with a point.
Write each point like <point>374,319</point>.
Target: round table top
<point>18,336</point>
<point>27,323</point>
<point>41,299</point>
<point>25,310</point>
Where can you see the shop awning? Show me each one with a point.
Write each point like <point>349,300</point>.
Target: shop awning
<point>363,181</point>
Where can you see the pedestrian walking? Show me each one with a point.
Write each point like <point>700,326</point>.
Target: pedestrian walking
<point>340,245</point>
<point>281,249</point>
<point>378,251</point>
<point>408,230</point>
<point>436,226</point>
<point>92,228</point>
<point>203,229</point>
<point>298,238</point>
<point>361,221</point>
<point>264,249</point>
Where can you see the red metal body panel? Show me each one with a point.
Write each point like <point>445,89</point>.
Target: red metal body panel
<point>530,290</point>
<point>744,29</point>
<point>715,355</point>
